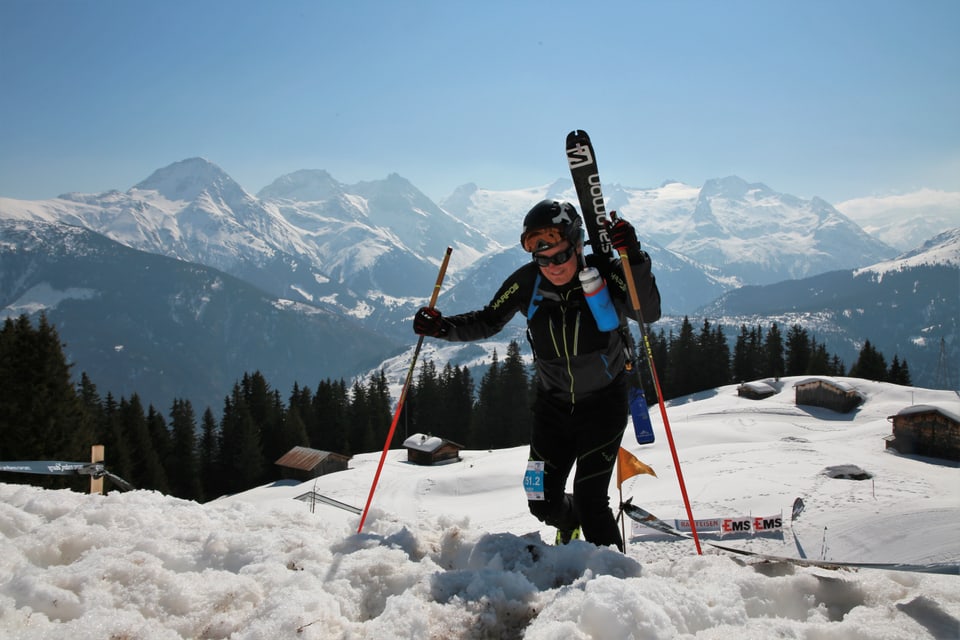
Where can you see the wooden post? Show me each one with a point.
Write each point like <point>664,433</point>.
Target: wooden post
<point>96,455</point>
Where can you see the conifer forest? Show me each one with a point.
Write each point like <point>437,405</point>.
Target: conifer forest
<point>46,413</point>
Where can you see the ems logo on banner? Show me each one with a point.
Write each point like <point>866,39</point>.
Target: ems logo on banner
<point>750,525</point>
<point>736,525</point>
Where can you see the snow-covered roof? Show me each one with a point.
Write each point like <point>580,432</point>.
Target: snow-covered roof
<point>838,384</point>
<point>928,408</point>
<point>758,386</point>
<point>421,442</point>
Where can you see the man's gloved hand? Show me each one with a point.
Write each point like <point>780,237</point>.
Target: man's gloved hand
<point>429,322</point>
<point>623,236</point>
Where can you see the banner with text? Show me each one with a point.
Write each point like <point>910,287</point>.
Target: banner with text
<point>738,525</point>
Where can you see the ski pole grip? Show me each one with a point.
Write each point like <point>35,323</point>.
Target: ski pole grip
<point>628,273</point>
<point>631,284</point>
<point>443,271</point>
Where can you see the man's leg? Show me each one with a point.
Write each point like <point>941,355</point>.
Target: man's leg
<point>552,442</point>
<point>598,442</point>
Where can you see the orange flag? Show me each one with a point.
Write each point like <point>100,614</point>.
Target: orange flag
<point>628,466</point>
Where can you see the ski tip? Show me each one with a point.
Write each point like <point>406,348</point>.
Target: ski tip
<point>578,133</point>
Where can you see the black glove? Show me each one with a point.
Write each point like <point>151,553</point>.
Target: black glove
<point>623,236</point>
<point>429,322</point>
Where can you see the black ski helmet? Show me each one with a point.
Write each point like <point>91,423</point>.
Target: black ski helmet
<point>556,220</point>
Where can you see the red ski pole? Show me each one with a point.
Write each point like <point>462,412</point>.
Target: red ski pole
<point>635,300</point>
<point>403,392</point>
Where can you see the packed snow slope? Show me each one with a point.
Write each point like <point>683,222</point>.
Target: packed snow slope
<point>450,551</point>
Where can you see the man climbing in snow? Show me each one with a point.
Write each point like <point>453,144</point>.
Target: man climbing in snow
<point>580,411</point>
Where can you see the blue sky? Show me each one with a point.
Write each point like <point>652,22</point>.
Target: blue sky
<point>838,99</point>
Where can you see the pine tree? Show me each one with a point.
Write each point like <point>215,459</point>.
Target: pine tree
<point>183,468</point>
<point>742,366</point>
<point>425,417</point>
<point>797,351</point>
<point>161,442</point>
<point>712,358</point>
<point>905,378</point>
<point>114,438</point>
<point>147,472</point>
<point>899,373</point>
<point>721,350</point>
<point>486,414</point>
<point>89,396</point>
<point>516,418</point>
<point>242,456</point>
<point>295,431</point>
<point>456,406</point>
<point>683,355</point>
<point>360,421</point>
<point>836,366</point>
<point>266,412</point>
<point>211,467</point>
<point>301,408</point>
<point>773,363</point>
<point>378,407</point>
<point>870,364</point>
<point>41,415</point>
<point>819,362</point>
<point>330,407</point>
<point>755,349</point>
<point>106,427</point>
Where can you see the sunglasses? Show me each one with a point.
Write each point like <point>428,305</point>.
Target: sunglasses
<point>557,258</point>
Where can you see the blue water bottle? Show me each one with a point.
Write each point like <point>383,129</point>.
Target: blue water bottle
<point>598,298</point>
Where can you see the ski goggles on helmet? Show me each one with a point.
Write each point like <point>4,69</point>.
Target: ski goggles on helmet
<point>561,257</point>
<point>541,239</point>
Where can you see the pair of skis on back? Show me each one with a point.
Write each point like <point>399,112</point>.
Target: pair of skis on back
<point>586,181</point>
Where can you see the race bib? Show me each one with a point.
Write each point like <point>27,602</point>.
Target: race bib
<point>533,480</point>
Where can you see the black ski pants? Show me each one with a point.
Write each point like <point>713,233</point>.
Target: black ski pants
<point>588,434</point>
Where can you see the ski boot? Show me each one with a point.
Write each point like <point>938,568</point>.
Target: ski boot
<point>563,537</point>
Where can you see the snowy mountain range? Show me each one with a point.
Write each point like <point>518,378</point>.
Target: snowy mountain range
<point>354,251</point>
<point>738,233</point>
<point>368,253</point>
<point>137,322</point>
<point>905,221</point>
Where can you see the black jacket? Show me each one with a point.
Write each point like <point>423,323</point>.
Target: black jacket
<point>574,359</point>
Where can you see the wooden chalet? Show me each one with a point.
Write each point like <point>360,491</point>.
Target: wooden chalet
<point>303,463</point>
<point>926,430</point>
<point>756,390</point>
<point>430,450</point>
<point>828,393</point>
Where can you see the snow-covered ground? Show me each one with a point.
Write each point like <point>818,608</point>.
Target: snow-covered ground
<point>445,550</point>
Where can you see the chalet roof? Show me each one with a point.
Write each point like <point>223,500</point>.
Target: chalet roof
<point>428,444</point>
<point>837,384</point>
<point>917,409</point>
<point>758,386</point>
<point>305,458</point>
<point>421,442</point>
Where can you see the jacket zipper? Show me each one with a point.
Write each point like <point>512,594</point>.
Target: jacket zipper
<point>566,347</point>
